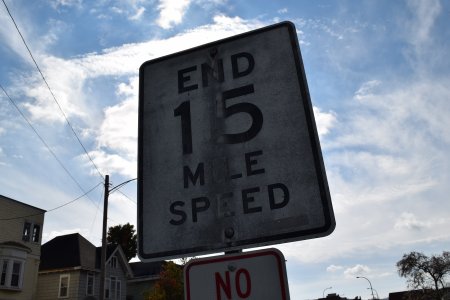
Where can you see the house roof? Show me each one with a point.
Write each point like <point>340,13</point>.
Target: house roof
<point>142,269</point>
<point>74,251</point>
<point>21,203</point>
<point>67,251</point>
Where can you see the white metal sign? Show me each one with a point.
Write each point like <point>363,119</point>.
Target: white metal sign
<point>228,153</point>
<point>258,275</point>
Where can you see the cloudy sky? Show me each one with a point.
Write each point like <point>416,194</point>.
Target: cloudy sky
<point>379,78</point>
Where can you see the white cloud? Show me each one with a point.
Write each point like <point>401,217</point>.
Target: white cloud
<point>324,121</point>
<point>139,13</point>
<point>357,270</point>
<point>409,221</point>
<point>366,89</point>
<point>171,12</point>
<point>425,14</point>
<point>65,3</point>
<point>282,10</point>
<point>334,268</point>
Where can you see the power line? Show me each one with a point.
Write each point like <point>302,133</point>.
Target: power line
<point>55,208</point>
<point>43,141</point>
<point>50,90</point>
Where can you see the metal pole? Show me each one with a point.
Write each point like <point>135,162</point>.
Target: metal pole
<point>323,293</point>
<point>373,297</point>
<point>103,257</point>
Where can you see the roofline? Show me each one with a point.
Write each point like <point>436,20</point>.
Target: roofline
<point>68,269</point>
<point>7,198</point>
<point>144,278</point>
<point>124,258</point>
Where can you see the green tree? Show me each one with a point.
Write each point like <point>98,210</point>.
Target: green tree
<point>125,236</point>
<point>425,273</point>
<point>170,284</point>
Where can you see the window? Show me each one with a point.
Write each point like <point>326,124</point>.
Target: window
<point>31,232</point>
<point>36,233</point>
<point>11,273</point>
<point>107,287</point>
<point>26,231</point>
<point>3,275</point>
<point>15,274</point>
<point>118,290</point>
<point>64,286</point>
<point>113,262</point>
<point>115,288</point>
<point>90,284</point>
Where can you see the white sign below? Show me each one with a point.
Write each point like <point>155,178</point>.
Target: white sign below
<point>257,275</point>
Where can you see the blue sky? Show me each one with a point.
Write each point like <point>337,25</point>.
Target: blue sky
<point>379,78</point>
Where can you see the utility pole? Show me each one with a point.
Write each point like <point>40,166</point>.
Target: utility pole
<point>103,256</point>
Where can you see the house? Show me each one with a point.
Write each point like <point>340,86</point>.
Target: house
<point>20,248</point>
<point>144,278</point>
<point>70,269</point>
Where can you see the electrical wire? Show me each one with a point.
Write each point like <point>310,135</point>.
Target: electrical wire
<point>55,208</point>
<point>50,90</point>
<point>43,141</point>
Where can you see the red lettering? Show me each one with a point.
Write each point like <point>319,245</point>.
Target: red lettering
<point>226,287</point>
<point>248,283</point>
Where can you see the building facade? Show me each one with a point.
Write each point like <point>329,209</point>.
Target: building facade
<point>20,248</point>
<point>70,269</point>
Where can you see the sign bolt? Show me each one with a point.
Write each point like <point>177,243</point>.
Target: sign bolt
<point>229,233</point>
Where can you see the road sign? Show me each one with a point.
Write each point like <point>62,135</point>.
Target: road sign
<point>258,275</point>
<point>228,153</point>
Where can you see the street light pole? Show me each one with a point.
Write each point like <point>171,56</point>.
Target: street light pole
<point>373,297</point>
<point>323,293</point>
<point>376,293</point>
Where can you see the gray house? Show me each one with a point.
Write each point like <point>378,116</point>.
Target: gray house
<point>70,269</point>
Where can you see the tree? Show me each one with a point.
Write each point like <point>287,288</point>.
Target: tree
<point>170,284</point>
<point>125,236</point>
<point>425,273</point>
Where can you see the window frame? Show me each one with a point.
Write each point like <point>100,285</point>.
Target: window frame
<point>31,232</point>
<point>107,288</point>
<point>36,234</point>
<point>8,274</point>
<point>61,277</point>
<point>113,262</point>
<point>26,232</point>
<point>92,286</point>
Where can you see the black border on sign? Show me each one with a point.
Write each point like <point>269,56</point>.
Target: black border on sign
<point>330,223</point>
<point>281,264</point>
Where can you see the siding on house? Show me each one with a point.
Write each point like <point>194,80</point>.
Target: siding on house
<point>13,215</point>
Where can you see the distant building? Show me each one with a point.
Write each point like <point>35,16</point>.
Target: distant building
<point>20,248</point>
<point>334,296</point>
<point>144,279</point>
<point>70,269</point>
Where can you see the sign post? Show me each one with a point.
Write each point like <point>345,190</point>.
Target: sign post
<point>228,154</point>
